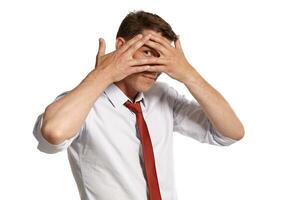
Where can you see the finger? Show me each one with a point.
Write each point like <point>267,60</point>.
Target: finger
<point>134,47</point>
<point>148,61</point>
<point>160,40</point>
<point>178,44</point>
<point>162,37</point>
<point>102,47</point>
<point>158,47</point>
<point>130,42</point>
<point>101,51</point>
<point>106,56</point>
<point>96,64</point>
<point>137,69</point>
<point>157,68</point>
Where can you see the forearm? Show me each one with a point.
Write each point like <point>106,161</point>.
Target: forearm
<point>63,118</point>
<point>215,107</point>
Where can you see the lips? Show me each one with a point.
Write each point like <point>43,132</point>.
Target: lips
<point>149,76</point>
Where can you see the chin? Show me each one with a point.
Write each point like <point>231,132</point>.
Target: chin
<point>144,86</point>
<point>142,83</point>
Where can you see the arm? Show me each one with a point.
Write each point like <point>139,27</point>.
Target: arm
<point>215,106</point>
<point>63,118</point>
<point>218,111</point>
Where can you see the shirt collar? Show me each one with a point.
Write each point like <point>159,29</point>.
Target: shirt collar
<point>118,98</point>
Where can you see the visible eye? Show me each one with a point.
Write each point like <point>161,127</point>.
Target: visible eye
<point>148,53</point>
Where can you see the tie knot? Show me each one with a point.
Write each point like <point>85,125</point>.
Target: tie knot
<point>135,107</point>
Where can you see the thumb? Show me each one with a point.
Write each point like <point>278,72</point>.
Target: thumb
<point>102,46</point>
<point>178,44</point>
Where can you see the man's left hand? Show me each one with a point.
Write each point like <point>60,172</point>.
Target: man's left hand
<point>172,59</point>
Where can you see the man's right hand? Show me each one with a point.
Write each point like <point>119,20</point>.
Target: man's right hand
<point>59,122</point>
<point>120,63</point>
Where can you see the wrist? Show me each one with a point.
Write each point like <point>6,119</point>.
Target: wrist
<point>190,76</point>
<point>101,75</point>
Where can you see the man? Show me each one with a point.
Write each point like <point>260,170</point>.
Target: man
<point>117,124</point>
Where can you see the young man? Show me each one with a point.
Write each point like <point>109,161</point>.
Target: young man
<point>117,124</point>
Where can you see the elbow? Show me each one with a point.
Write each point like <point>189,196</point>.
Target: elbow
<point>240,134</point>
<point>237,134</point>
<point>52,136</point>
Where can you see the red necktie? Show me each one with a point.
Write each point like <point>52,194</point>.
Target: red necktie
<point>149,162</point>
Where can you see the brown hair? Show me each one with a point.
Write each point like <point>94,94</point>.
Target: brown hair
<point>135,22</point>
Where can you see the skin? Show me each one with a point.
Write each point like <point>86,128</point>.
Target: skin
<point>173,62</point>
<point>63,118</point>
<point>137,82</point>
<point>127,67</point>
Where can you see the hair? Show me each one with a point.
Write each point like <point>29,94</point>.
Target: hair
<point>136,22</point>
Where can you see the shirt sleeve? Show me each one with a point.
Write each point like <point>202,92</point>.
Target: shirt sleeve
<point>190,120</point>
<point>43,144</point>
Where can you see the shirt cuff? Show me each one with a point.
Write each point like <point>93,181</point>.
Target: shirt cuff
<point>221,139</point>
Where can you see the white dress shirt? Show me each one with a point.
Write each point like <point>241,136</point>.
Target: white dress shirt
<point>106,155</point>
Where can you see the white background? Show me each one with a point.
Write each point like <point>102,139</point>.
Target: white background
<point>248,50</point>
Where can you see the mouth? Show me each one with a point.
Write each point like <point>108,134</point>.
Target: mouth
<point>150,76</point>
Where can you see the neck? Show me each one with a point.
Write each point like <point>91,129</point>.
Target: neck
<point>128,91</point>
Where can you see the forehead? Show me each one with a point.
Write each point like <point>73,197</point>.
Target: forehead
<point>148,31</point>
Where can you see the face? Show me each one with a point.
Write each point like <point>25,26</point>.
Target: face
<point>142,81</point>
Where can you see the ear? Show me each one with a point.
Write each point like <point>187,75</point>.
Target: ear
<point>119,42</point>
